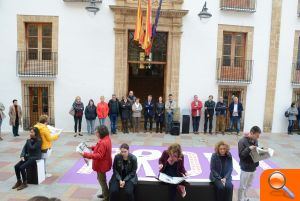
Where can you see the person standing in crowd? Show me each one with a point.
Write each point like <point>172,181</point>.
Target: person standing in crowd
<point>114,108</point>
<point>292,117</point>
<point>209,107</point>
<point>78,108</point>
<point>246,144</point>
<point>46,138</point>
<point>15,115</point>
<point>102,110</point>
<point>136,115</point>
<point>90,115</point>
<point>170,109</point>
<point>2,116</point>
<point>124,174</point>
<point>220,172</point>
<point>126,108</point>
<point>196,107</point>
<point>235,109</point>
<point>30,153</point>
<point>171,163</point>
<point>131,98</point>
<point>220,116</point>
<point>101,157</point>
<point>159,114</point>
<point>148,113</point>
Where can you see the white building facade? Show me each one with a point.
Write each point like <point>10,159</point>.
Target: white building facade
<point>53,50</point>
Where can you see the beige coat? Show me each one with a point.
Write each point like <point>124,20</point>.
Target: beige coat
<point>12,115</point>
<point>2,108</point>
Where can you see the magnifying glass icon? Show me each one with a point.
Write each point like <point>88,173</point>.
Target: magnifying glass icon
<point>277,181</point>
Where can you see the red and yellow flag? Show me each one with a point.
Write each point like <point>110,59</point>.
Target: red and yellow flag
<point>148,33</point>
<point>139,22</point>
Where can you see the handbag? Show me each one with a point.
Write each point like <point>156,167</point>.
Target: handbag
<point>286,114</point>
<point>72,111</point>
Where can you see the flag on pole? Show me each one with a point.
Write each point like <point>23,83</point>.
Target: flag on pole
<point>139,22</point>
<point>148,31</point>
<point>156,19</point>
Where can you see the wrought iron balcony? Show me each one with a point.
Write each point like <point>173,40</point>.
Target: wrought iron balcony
<point>234,71</point>
<point>36,64</point>
<point>238,5</point>
<point>296,74</point>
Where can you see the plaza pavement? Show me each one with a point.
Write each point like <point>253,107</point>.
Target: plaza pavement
<point>287,155</point>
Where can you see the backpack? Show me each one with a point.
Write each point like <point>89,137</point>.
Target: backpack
<point>286,114</point>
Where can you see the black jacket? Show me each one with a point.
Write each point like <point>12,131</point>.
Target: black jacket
<point>149,108</point>
<point>210,107</point>
<point>125,109</point>
<point>130,170</point>
<point>220,108</point>
<point>32,149</point>
<point>113,107</point>
<point>239,108</point>
<point>90,112</point>
<point>216,168</point>
<point>246,161</point>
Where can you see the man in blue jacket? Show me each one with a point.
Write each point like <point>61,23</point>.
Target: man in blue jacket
<point>235,109</point>
<point>148,113</point>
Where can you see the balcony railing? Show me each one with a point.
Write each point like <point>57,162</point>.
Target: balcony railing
<point>296,74</point>
<point>36,64</point>
<point>234,71</point>
<point>238,5</point>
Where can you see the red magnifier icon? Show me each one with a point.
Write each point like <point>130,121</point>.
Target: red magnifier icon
<point>277,181</point>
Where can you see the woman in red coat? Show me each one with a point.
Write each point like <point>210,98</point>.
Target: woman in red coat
<point>171,163</point>
<point>102,110</point>
<point>101,157</point>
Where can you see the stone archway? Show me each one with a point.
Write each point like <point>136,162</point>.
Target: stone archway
<point>170,21</point>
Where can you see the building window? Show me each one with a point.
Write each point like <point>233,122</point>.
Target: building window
<point>238,5</point>
<point>234,46</point>
<point>39,41</point>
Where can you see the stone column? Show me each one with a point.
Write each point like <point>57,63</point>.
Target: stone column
<point>273,65</point>
<point>121,70</point>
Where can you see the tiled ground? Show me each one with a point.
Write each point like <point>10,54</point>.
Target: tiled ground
<point>287,155</point>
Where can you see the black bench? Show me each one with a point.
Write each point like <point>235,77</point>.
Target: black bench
<point>157,191</point>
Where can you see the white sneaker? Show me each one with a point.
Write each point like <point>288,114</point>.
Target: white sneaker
<point>48,175</point>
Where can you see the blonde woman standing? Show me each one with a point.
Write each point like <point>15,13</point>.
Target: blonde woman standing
<point>78,108</point>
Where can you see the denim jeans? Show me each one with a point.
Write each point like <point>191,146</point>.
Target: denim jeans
<point>169,120</point>
<point>196,121</point>
<point>15,129</point>
<point>113,122</point>
<point>237,121</point>
<point>90,126</point>
<point>102,121</point>
<point>291,126</point>
<point>0,124</point>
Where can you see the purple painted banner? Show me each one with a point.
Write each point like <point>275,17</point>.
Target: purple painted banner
<point>197,163</point>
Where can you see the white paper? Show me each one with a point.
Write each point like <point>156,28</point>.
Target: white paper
<point>81,148</point>
<point>170,180</point>
<point>259,154</point>
<point>54,131</point>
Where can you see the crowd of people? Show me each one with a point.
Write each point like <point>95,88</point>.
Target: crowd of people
<point>130,111</point>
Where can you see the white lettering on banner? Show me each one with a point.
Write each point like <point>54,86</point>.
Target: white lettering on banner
<point>194,163</point>
<point>114,152</point>
<point>143,159</point>
<point>264,165</point>
<point>85,169</point>
<point>235,164</point>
